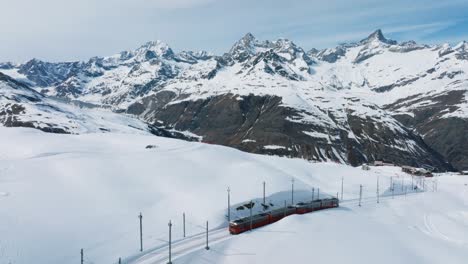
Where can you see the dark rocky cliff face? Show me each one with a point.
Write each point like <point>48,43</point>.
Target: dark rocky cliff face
<point>260,124</point>
<point>448,135</point>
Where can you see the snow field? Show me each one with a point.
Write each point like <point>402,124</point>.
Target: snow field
<point>67,192</point>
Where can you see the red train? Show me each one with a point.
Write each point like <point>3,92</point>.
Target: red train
<point>247,223</point>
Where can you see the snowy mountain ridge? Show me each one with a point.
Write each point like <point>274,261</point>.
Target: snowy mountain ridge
<point>21,106</point>
<point>353,103</point>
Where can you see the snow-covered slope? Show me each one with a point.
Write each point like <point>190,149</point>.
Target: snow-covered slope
<point>21,106</point>
<point>417,229</point>
<point>333,96</point>
<point>61,193</point>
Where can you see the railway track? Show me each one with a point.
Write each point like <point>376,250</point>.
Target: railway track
<point>197,242</point>
<point>181,247</point>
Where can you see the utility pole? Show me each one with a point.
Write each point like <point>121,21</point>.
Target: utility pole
<point>393,190</point>
<point>412,183</point>
<point>229,204</point>
<point>391,182</point>
<point>360,194</point>
<point>378,191</point>
<point>285,208</point>
<point>170,242</point>
<point>264,202</point>
<point>292,191</point>
<point>141,232</point>
<point>318,193</point>
<point>251,215</point>
<point>82,256</point>
<point>342,181</point>
<point>313,190</point>
<point>183,218</point>
<point>207,247</point>
<point>337,197</point>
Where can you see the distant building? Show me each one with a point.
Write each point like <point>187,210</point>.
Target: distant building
<point>417,171</point>
<point>382,163</point>
<point>407,169</point>
<point>378,163</point>
<point>464,172</point>
<point>365,167</point>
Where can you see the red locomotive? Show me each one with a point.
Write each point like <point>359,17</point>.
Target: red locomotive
<point>247,223</point>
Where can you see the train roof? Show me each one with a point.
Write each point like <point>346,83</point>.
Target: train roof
<point>279,210</point>
<point>247,219</point>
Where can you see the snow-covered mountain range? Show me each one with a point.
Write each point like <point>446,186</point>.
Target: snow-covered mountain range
<point>22,106</point>
<point>376,99</point>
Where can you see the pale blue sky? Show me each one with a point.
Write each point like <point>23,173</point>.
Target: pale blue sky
<point>57,30</point>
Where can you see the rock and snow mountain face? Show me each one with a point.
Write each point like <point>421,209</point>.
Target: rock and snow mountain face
<point>371,100</point>
<point>22,106</point>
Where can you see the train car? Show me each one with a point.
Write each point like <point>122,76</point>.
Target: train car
<point>315,205</point>
<point>259,220</point>
<point>303,208</point>
<point>281,213</point>
<point>331,203</point>
<point>248,223</point>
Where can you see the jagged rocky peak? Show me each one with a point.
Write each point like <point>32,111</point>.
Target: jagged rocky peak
<point>288,49</point>
<point>148,51</point>
<point>7,65</point>
<point>47,73</point>
<point>15,91</point>
<point>244,48</point>
<point>32,63</point>
<point>461,50</point>
<point>444,49</point>
<point>159,47</point>
<point>193,57</point>
<point>332,55</point>
<point>375,44</point>
<point>377,36</point>
<point>248,46</point>
<point>461,46</point>
<point>407,46</point>
<point>313,52</point>
<point>6,78</point>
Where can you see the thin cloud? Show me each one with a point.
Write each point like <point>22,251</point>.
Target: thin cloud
<point>429,27</point>
<point>68,30</point>
<point>174,4</point>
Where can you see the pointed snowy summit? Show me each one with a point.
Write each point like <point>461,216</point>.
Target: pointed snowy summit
<point>243,48</point>
<point>155,49</point>
<point>247,42</point>
<point>463,45</point>
<point>377,36</point>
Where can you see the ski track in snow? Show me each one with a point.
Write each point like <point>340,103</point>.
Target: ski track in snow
<point>433,230</point>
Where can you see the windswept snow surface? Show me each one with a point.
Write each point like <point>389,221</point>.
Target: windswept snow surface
<point>61,193</point>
